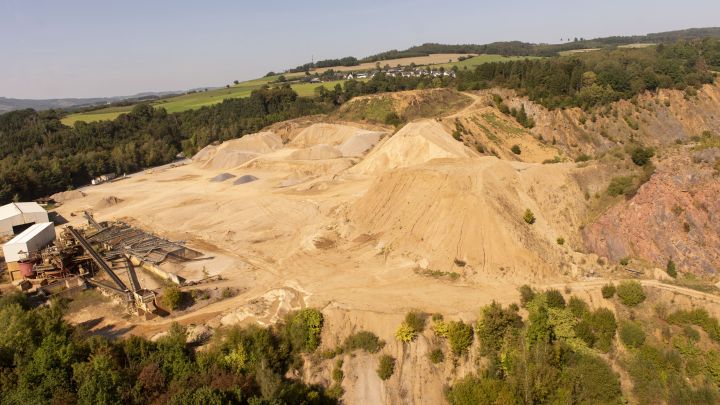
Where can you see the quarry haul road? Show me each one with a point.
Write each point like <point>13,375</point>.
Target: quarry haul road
<point>218,309</point>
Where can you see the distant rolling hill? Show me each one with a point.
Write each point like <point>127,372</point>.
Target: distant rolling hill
<point>11,104</point>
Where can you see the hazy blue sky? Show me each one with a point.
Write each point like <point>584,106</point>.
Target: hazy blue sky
<point>82,48</point>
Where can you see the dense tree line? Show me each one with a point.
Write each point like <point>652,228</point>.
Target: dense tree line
<point>346,61</point>
<point>43,359</point>
<point>40,156</point>
<point>596,78</point>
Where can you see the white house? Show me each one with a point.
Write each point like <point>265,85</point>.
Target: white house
<point>16,217</point>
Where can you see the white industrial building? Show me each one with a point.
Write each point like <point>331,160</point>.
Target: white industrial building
<point>16,217</point>
<point>30,241</point>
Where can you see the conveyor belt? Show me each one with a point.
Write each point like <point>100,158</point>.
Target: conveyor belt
<point>97,258</point>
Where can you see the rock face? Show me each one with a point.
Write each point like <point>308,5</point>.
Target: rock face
<point>674,215</point>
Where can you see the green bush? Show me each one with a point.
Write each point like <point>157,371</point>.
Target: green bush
<point>560,241</point>
<point>631,293</point>
<point>641,156</point>
<point>303,329</point>
<point>529,217</point>
<point>416,320</point>
<point>526,294</point>
<point>603,325</point>
<point>670,268</point>
<point>608,291</point>
<point>554,298</point>
<point>441,329</point>
<point>699,317</point>
<point>631,334</point>
<point>578,307</point>
<point>172,297</point>
<point>337,373</point>
<point>516,149</point>
<point>364,340</point>
<point>460,337</point>
<point>494,325</point>
<point>436,356</point>
<point>386,367</point>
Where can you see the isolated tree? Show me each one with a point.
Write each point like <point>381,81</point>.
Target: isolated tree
<point>236,82</point>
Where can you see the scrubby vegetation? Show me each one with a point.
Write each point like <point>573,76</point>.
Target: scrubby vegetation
<point>386,367</point>
<point>45,360</point>
<point>364,340</point>
<point>608,291</point>
<point>630,293</point>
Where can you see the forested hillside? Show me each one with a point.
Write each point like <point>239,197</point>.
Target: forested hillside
<point>39,155</point>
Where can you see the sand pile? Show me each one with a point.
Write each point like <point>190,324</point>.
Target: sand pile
<point>107,202</point>
<point>248,178</point>
<point>67,196</point>
<point>221,177</point>
<point>415,143</point>
<point>317,152</point>
<point>360,143</point>
<point>330,134</point>
<point>238,151</point>
<point>469,210</point>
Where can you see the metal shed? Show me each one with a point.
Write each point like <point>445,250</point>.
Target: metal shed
<point>16,217</point>
<point>29,241</point>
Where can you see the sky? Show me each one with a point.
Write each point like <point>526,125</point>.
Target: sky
<point>100,48</point>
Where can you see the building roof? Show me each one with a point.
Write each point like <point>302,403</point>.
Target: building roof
<point>28,234</point>
<point>13,209</point>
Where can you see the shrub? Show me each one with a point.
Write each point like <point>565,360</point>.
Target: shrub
<point>416,320</point>
<point>172,297</point>
<point>303,329</point>
<point>436,356</point>
<point>529,217</point>
<point>393,119</point>
<point>641,156</point>
<point>560,241</point>
<point>526,294</point>
<point>631,334</point>
<point>670,268</point>
<point>608,291</point>
<point>631,293</point>
<point>603,325</point>
<point>625,261</point>
<point>620,185</point>
<point>386,367</point>
<point>578,307</point>
<point>691,333</point>
<point>699,317</point>
<point>583,158</point>
<point>364,340</point>
<point>337,373</point>
<point>405,333</point>
<point>554,298</point>
<point>460,337</point>
<point>494,324</point>
<point>441,329</point>
<point>516,149</point>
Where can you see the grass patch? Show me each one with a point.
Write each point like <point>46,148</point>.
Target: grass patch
<point>448,275</point>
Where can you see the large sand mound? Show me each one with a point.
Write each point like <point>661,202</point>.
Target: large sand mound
<point>238,151</point>
<point>360,143</point>
<point>415,143</point>
<point>470,212</point>
<point>329,134</point>
<point>317,152</point>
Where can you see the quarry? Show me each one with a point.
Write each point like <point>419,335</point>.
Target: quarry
<point>367,221</point>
